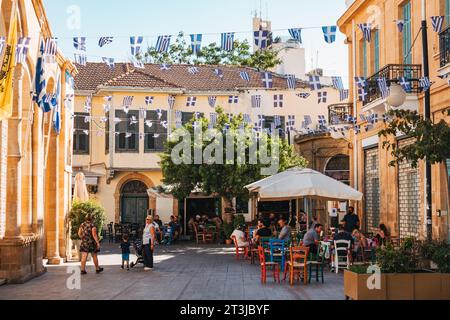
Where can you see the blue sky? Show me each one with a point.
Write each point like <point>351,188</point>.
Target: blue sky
<point>152,18</point>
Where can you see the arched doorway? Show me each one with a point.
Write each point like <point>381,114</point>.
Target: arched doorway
<point>134,202</point>
<point>338,168</point>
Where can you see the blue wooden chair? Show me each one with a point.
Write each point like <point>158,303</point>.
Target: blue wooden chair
<point>277,252</point>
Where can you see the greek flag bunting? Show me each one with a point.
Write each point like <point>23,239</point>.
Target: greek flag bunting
<point>191,101</point>
<point>127,101</point>
<point>291,123</point>
<point>296,34</point>
<point>40,84</point>
<point>303,95</point>
<point>80,58</point>
<point>405,84</point>
<point>256,101</point>
<point>171,101</point>
<point>277,121</point>
<point>278,101</point>
<point>244,75</point>
<point>2,44</point>
<point>79,43</point>
<point>164,67</point>
<point>212,101</point>
<point>233,99</point>
<point>142,112</point>
<point>109,62</point>
<point>227,41</point>
<point>384,89</point>
<point>357,129</point>
<point>50,49</point>
<point>337,83</point>
<point>218,72</point>
<point>137,64</point>
<point>159,113</point>
<point>88,104</point>
<point>306,121</point>
<point>314,83</point>
<point>196,43</point>
<point>360,82</point>
<point>291,81</point>
<point>104,41</point>
<point>425,83</point>
<point>133,120</point>
<point>163,43</point>
<point>373,119</point>
<point>178,114</point>
<point>363,117</point>
<point>343,94</point>
<point>247,118</point>
<point>213,118</point>
<point>149,100</point>
<point>261,38</point>
<point>400,25</point>
<point>366,29</point>
<point>322,121</point>
<point>322,96</point>
<point>22,47</point>
<point>193,70</point>
<point>329,33</point>
<point>267,79</point>
<point>437,23</point>
<point>136,45</point>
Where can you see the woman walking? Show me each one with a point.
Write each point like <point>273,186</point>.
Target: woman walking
<point>89,243</point>
<point>148,242</point>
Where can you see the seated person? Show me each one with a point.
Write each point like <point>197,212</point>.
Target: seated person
<point>312,238</point>
<point>239,234</point>
<point>262,231</point>
<point>359,242</point>
<point>382,237</point>
<point>342,235</point>
<point>175,227</point>
<point>285,233</point>
<point>159,227</point>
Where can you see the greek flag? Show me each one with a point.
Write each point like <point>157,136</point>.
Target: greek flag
<point>386,118</point>
<point>291,123</point>
<point>164,67</point>
<point>306,122</point>
<point>343,94</point>
<point>296,34</point>
<point>193,70</point>
<point>400,25</point>
<point>247,118</point>
<point>360,82</point>
<point>50,49</point>
<point>322,97</point>
<point>314,83</point>
<point>212,101</point>
<point>40,84</point>
<point>405,84</point>
<point>171,101</point>
<point>384,89</point>
<point>227,41</point>
<point>136,44</point>
<point>303,95</point>
<point>366,29</point>
<point>178,114</point>
<point>104,41</point>
<point>337,83</point>
<point>256,101</point>
<point>196,43</point>
<point>149,100</point>
<point>362,117</point>
<point>218,72</point>
<point>142,112</point>
<point>213,118</point>
<point>2,44</point>
<point>373,118</point>
<point>322,121</point>
<point>244,76</point>
<point>79,43</point>
<point>191,101</point>
<point>80,58</point>
<point>233,99</point>
<point>425,83</point>
<point>109,62</point>
<point>22,49</point>
<point>159,113</point>
<point>437,23</point>
<point>267,79</point>
<point>128,101</point>
<point>163,43</point>
<point>163,124</point>
<point>278,101</point>
<point>329,33</point>
<point>88,104</point>
<point>357,129</point>
<point>277,121</point>
<point>291,81</point>
<point>137,64</point>
<point>261,38</point>
<point>362,94</point>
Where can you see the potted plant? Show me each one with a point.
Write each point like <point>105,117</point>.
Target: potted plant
<point>77,216</point>
<point>228,229</point>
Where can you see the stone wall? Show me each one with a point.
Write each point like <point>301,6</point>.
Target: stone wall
<point>372,189</point>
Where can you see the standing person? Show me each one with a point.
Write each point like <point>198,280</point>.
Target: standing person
<point>125,246</point>
<point>312,238</point>
<point>89,243</point>
<point>148,242</point>
<point>285,233</point>
<point>351,220</point>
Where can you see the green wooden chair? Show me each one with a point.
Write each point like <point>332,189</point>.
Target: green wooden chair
<point>317,262</point>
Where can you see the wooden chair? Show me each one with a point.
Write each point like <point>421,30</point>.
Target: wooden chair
<point>318,262</point>
<point>277,253</point>
<point>118,232</point>
<point>297,264</point>
<point>267,265</point>
<point>343,259</point>
<point>199,235</point>
<point>239,249</point>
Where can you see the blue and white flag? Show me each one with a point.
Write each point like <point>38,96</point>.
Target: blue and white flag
<point>137,64</point>
<point>218,72</point>
<point>191,101</point>
<point>136,45</point>
<point>361,82</point>
<point>163,43</point>
<point>227,41</point>
<point>247,119</point>
<point>278,100</point>
<point>127,101</point>
<point>303,95</point>
<point>322,96</point>
<point>22,48</point>
<point>171,101</point>
<point>178,114</point>
<point>329,33</point>
<point>233,99</point>
<point>256,101</point>
<point>213,118</point>
<point>193,70</point>
<point>104,41</point>
<point>322,121</point>
<point>437,23</point>
<point>40,84</point>
<point>165,67</point>
<point>357,129</point>
<point>261,38</point>
<point>88,104</point>
<point>196,43</point>
<point>291,81</point>
<point>314,83</point>
<point>50,50</point>
<point>212,101</point>
<point>366,29</point>
<point>267,80</point>
<point>142,113</point>
<point>337,83</point>
<point>363,117</point>
<point>405,84</point>
<point>69,90</point>
<point>383,86</point>
<point>306,122</point>
<point>277,120</point>
<point>80,58</point>
<point>2,44</point>
<point>244,76</point>
<point>79,43</point>
<point>400,25</point>
<point>425,83</point>
<point>291,123</point>
<point>109,62</point>
<point>373,119</point>
<point>362,94</point>
<point>159,113</point>
<point>343,94</point>
<point>296,34</point>
<point>149,100</point>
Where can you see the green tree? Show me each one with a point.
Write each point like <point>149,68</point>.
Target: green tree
<point>432,140</point>
<point>212,54</point>
<point>228,179</point>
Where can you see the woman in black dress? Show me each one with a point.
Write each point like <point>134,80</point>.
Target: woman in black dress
<point>89,243</point>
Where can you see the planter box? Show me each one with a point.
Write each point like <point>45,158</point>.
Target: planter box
<point>414,286</point>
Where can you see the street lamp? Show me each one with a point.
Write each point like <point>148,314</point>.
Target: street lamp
<point>397,96</point>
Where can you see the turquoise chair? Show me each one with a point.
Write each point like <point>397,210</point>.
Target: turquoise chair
<point>277,252</point>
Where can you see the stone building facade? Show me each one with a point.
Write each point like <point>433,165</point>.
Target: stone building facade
<point>35,161</point>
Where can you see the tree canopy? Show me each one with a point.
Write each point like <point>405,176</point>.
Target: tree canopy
<point>181,53</point>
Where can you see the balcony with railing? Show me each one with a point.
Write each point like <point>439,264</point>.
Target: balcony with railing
<point>444,52</point>
<point>337,113</point>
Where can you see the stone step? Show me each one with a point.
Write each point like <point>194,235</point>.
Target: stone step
<point>2,281</point>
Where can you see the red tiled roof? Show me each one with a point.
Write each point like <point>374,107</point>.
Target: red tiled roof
<point>93,75</point>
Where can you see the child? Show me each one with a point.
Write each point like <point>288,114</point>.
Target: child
<point>125,246</point>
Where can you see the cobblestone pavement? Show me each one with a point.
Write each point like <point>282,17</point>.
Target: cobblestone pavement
<point>184,272</point>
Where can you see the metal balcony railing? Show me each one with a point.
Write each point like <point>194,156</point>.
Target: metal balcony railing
<point>392,72</point>
<point>444,47</point>
<point>337,113</point>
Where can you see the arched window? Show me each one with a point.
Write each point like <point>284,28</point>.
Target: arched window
<point>338,168</point>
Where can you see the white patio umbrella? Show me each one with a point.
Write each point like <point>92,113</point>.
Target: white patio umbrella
<point>299,183</point>
<point>80,192</point>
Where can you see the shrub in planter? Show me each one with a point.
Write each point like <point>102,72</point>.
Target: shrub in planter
<point>401,260</point>
<point>78,215</point>
<point>442,258</point>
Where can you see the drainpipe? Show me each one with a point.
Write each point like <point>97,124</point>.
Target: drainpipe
<point>355,102</point>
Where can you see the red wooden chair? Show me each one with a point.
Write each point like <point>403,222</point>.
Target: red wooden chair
<point>267,264</point>
<point>297,264</point>
<point>244,250</point>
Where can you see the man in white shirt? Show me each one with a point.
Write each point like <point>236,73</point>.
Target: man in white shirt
<point>240,237</point>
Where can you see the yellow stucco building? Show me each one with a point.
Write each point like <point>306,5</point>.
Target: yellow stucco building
<point>395,195</point>
<point>35,161</point>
